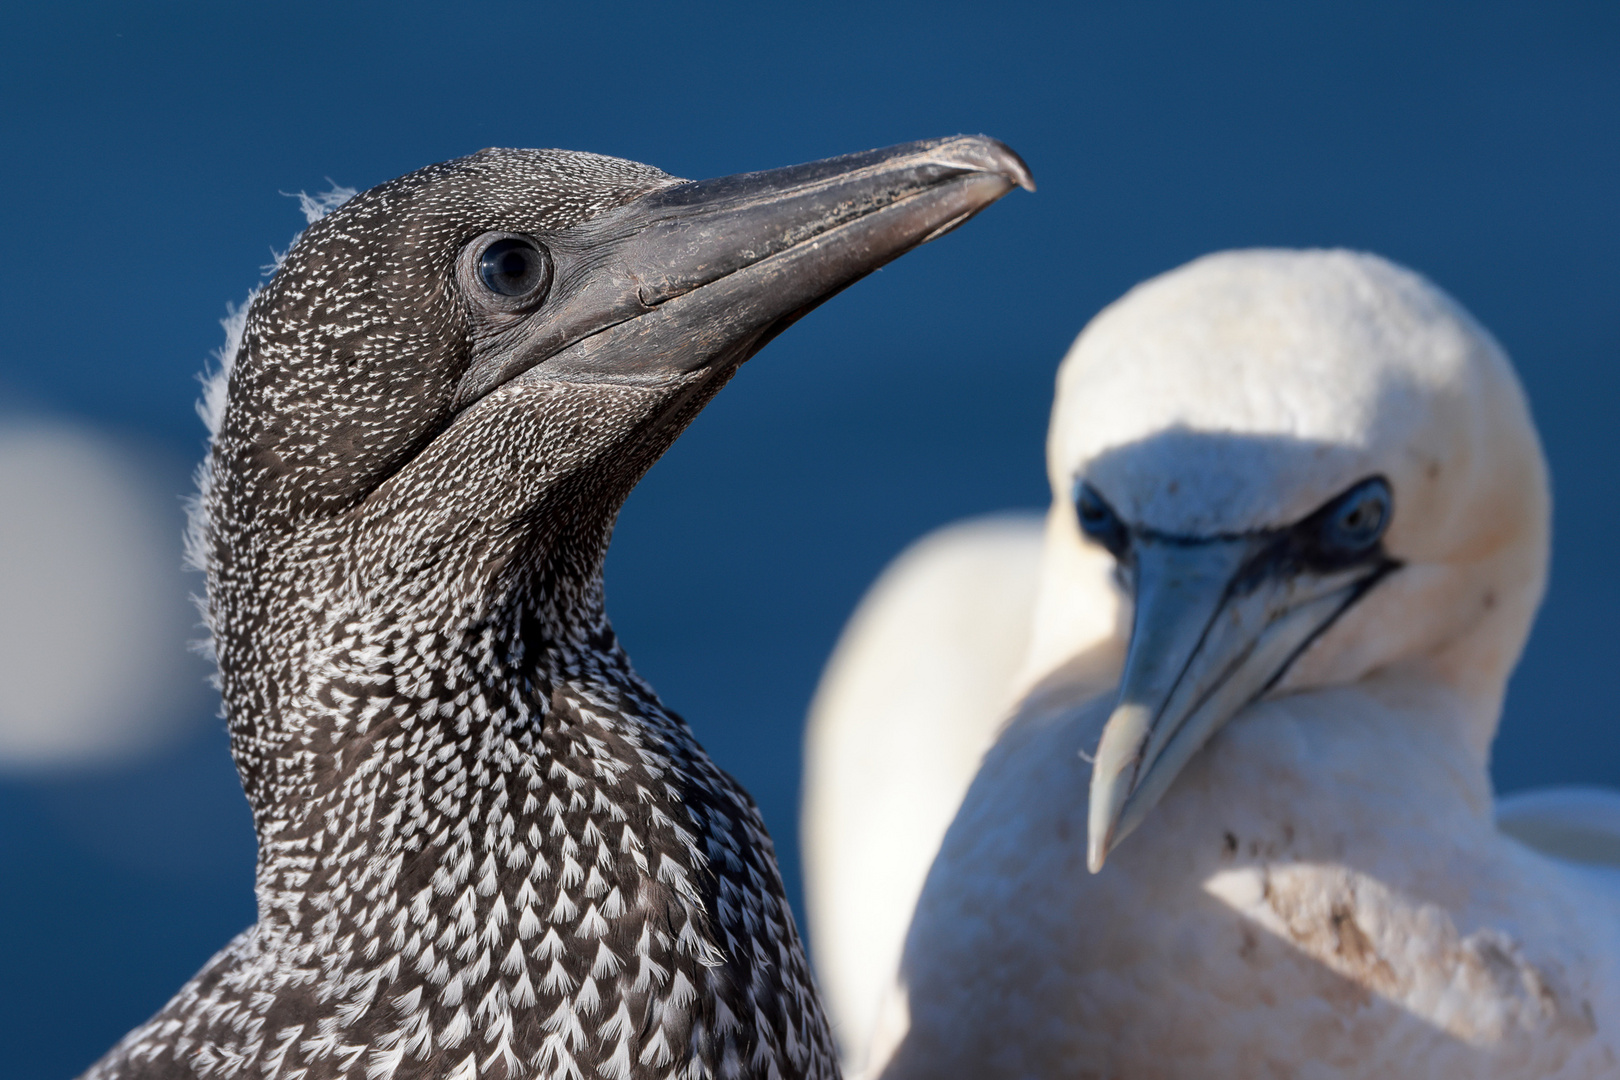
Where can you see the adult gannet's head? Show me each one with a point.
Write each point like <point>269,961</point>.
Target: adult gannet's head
<point>1298,468</point>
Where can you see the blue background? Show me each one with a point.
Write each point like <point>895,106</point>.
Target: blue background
<point>144,149</point>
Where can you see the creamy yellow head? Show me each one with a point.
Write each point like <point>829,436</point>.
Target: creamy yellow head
<point>1228,428</point>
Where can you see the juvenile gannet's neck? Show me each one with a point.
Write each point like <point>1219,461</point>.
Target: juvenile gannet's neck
<point>392,730</point>
<point>465,794</point>
<point>350,677</point>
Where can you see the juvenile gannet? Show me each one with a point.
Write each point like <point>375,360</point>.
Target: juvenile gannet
<point>486,849</point>
<point>1299,532</point>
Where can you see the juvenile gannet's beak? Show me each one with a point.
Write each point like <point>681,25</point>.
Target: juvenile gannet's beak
<point>700,274</point>
<point>1217,623</point>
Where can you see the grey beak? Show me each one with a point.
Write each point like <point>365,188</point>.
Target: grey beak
<point>1211,634</point>
<point>703,273</point>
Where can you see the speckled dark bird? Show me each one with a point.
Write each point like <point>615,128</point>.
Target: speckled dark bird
<point>486,849</point>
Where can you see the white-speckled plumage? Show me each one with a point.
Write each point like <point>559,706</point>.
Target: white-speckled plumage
<point>1322,891</point>
<point>487,851</point>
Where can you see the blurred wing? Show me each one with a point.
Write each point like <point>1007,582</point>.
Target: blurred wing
<point>1581,824</point>
<point>919,683</point>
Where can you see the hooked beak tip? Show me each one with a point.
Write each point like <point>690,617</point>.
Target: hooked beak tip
<point>1096,852</point>
<point>1114,770</point>
<point>981,153</point>
<point>1103,818</point>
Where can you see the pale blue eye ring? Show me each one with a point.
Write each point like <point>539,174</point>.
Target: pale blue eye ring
<point>1356,521</point>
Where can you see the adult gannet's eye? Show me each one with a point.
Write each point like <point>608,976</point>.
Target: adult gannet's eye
<point>515,266</point>
<point>1356,520</point>
<point>1099,521</point>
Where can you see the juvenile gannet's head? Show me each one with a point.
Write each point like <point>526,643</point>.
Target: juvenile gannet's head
<point>1298,468</point>
<point>452,382</point>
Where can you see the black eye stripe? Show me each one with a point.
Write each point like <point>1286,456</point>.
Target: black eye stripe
<point>1346,530</point>
<point>1099,521</point>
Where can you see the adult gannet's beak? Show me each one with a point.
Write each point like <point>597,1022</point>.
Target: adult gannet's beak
<point>1217,623</point>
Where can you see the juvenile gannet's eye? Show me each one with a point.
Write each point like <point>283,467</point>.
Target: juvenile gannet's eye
<point>516,267</point>
<point>1356,520</point>
<point>1098,520</point>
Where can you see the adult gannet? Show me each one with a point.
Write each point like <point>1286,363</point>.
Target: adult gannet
<point>486,848</point>
<point>1299,532</point>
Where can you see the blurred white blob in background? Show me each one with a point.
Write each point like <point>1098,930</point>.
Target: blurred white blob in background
<point>94,610</point>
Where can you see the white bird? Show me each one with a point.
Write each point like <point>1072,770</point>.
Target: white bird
<point>1300,530</point>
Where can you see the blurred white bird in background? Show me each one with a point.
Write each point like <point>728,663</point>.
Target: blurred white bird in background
<point>94,615</point>
<point>1299,533</point>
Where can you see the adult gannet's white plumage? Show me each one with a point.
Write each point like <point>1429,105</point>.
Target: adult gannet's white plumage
<point>1301,513</point>
<point>902,717</point>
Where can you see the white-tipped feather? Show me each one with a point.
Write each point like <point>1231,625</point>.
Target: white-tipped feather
<point>322,203</point>
<point>216,376</point>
